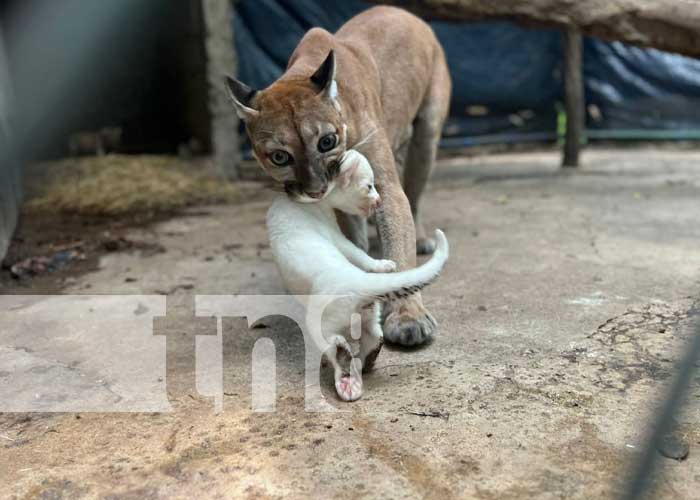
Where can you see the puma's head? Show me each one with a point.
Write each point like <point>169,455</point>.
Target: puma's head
<point>353,190</point>
<point>296,129</point>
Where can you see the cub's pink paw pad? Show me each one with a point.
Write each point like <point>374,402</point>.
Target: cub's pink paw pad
<point>349,388</point>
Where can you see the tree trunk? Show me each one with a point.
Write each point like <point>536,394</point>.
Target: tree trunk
<point>671,25</point>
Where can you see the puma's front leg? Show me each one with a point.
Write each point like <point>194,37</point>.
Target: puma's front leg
<point>407,322</point>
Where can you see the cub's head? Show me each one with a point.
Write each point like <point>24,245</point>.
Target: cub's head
<point>353,190</point>
<point>296,129</point>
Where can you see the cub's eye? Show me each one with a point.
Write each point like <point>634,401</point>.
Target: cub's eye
<point>280,158</point>
<point>327,142</point>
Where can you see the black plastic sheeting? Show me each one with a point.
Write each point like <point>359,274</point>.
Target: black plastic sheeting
<point>507,79</point>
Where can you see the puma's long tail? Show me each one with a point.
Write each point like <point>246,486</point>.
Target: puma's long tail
<point>384,286</point>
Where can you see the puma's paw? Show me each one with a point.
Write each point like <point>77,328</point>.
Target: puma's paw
<point>425,246</point>
<point>408,323</point>
<point>384,266</point>
<point>349,387</point>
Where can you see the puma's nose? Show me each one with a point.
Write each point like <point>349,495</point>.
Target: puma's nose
<point>377,202</point>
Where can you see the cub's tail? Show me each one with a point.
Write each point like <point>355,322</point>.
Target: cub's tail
<point>385,286</point>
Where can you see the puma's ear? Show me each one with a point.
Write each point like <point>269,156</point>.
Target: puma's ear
<point>324,78</point>
<point>242,97</point>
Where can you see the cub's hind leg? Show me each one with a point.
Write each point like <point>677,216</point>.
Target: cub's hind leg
<point>346,369</point>
<point>372,338</point>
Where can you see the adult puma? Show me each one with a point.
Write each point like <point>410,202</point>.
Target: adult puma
<point>379,85</point>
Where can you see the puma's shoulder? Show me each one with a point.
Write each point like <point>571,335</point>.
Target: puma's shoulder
<point>378,20</point>
<point>318,34</point>
<point>316,41</point>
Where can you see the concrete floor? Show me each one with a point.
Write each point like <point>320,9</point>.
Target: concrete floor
<point>563,311</point>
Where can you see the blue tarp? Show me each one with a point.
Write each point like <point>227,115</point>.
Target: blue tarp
<point>641,88</point>
<point>507,79</point>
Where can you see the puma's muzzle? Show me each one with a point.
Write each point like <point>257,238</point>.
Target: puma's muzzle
<point>315,181</point>
<point>297,192</point>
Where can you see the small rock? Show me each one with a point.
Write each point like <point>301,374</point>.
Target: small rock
<point>674,446</point>
<point>111,245</point>
<point>140,309</point>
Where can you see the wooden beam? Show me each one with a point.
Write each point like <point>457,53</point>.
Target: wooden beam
<point>671,25</point>
<point>221,61</point>
<point>573,96</point>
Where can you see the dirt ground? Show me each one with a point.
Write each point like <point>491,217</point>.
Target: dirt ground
<point>563,312</point>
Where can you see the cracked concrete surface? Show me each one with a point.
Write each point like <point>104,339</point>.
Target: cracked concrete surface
<point>563,312</point>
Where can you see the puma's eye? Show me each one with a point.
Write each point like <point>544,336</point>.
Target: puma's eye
<point>327,143</point>
<point>369,187</point>
<point>280,158</point>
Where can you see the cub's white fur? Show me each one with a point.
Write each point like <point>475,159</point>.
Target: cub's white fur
<point>315,258</point>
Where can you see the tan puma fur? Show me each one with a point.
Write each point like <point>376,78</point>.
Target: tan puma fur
<point>379,85</point>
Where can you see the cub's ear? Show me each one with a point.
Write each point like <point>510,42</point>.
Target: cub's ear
<point>242,97</point>
<point>347,171</point>
<point>324,78</point>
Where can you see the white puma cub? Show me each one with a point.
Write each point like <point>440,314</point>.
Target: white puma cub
<point>315,258</point>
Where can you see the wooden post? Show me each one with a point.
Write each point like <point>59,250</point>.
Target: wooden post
<point>10,194</point>
<point>573,96</point>
<point>221,61</point>
<point>181,326</point>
